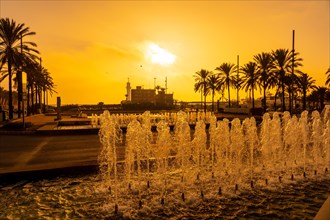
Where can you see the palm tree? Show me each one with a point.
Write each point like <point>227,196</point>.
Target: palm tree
<point>305,83</point>
<point>226,71</point>
<point>321,92</point>
<point>12,52</point>
<point>237,82</point>
<point>281,64</point>
<point>47,85</point>
<point>32,69</point>
<point>282,60</point>
<point>327,82</point>
<point>264,62</point>
<point>38,81</point>
<point>214,84</point>
<point>250,78</point>
<point>200,84</point>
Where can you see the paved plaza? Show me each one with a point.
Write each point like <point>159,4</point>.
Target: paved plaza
<point>22,151</point>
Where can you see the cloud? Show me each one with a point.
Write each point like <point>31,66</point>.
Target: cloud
<point>118,51</point>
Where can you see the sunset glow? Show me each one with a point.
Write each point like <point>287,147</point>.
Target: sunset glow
<point>92,47</point>
<point>159,55</point>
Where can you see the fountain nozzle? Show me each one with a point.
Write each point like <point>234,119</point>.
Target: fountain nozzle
<point>116,209</point>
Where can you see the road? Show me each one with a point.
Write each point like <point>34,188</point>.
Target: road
<point>31,152</point>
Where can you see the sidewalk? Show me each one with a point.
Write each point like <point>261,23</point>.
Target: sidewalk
<point>32,122</point>
<point>30,153</point>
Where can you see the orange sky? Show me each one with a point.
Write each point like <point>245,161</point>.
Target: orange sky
<point>92,47</point>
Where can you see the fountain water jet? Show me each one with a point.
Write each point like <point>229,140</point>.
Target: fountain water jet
<point>210,160</point>
<point>110,136</point>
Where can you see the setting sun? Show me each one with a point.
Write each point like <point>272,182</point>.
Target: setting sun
<point>158,55</point>
<point>99,44</point>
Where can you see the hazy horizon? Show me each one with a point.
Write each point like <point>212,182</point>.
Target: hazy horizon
<point>91,48</point>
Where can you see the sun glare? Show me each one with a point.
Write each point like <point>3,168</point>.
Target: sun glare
<point>159,55</point>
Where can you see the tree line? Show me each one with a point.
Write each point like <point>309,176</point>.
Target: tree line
<point>17,55</point>
<point>276,70</point>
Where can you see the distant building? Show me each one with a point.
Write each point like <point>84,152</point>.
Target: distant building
<point>143,96</point>
<point>150,97</point>
<point>164,99</point>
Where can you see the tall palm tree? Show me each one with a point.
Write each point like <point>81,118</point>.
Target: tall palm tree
<point>264,62</point>
<point>282,60</point>
<point>38,81</point>
<point>327,82</point>
<point>281,64</point>
<point>305,83</point>
<point>11,48</point>
<point>200,84</point>
<point>321,92</point>
<point>214,83</point>
<point>226,72</point>
<point>46,84</point>
<point>250,78</point>
<point>32,69</point>
<point>293,87</point>
<point>238,83</point>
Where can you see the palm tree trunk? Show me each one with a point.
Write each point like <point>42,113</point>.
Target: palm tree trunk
<point>19,98</point>
<point>283,96</point>
<point>10,94</point>
<point>237,97</point>
<point>44,107</point>
<point>321,102</point>
<point>204,96</point>
<point>201,100</point>
<point>36,100</point>
<point>40,99</point>
<point>252,97</point>
<point>264,101</point>
<point>290,99</point>
<point>228,94</point>
<point>213,100</point>
<point>204,103</point>
<point>28,100</point>
<point>304,100</point>
<point>32,100</point>
<point>275,103</point>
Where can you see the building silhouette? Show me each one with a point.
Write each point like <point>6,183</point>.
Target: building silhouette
<point>156,98</point>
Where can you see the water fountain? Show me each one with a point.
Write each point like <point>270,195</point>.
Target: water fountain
<point>189,166</point>
<point>110,138</point>
<point>204,161</point>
